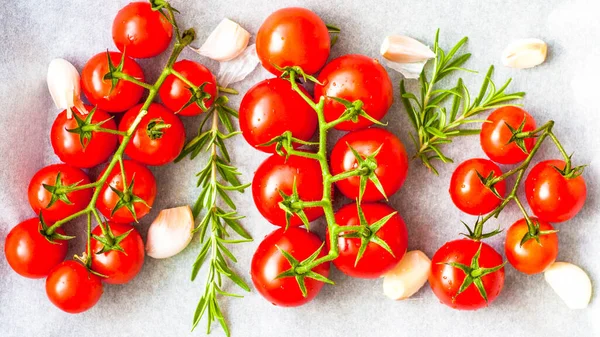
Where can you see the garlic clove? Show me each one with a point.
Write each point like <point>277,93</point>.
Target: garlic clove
<point>226,42</point>
<point>408,70</point>
<point>170,232</point>
<point>525,53</point>
<point>63,84</point>
<point>404,49</point>
<point>571,283</point>
<point>408,276</point>
<point>237,69</point>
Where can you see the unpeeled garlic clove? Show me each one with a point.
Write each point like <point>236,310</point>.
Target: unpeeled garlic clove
<point>226,42</point>
<point>170,232</point>
<point>408,276</point>
<point>404,49</point>
<point>525,53</point>
<point>63,84</point>
<point>571,283</point>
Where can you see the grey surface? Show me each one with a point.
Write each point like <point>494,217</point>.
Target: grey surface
<point>161,300</point>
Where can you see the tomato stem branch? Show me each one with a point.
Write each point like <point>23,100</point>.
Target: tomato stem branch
<point>126,77</point>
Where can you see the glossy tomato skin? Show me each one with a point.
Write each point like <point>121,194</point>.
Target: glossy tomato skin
<point>144,187</point>
<point>272,107</point>
<point>268,262</point>
<point>120,267</point>
<point>29,253</point>
<point>531,257</point>
<point>278,174</point>
<point>551,196</point>
<point>293,37</point>
<point>467,191</point>
<point>141,32</point>
<point>100,92</point>
<point>495,135</point>
<point>148,149</point>
<point>445,280</point>
<point>376,261</point>
<point>392,162</point>
<point>72,288</point>
<point>355,77</point>
<point>174,93</point>
<point>67,145</point>
<point>40,197</point>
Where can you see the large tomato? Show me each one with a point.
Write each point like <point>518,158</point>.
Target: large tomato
<point>158,139</point>
<point>531,257</point>
<point>174,93</point>
<point>85,148</point>
<point>376,260</point>
<point>140,31</point>
<point>268,263</point>
<point>119,266</point>
<point>272,107</point>
<point>467,190</point>
<point>446,280</point>
<point>392,162</point>
<point>277,175</point>
<point>29,253</point>
<point>139,197</point>
<point>72,288</point>
<point>293,37</point>
<point>552,196</point>
<point>495,136</point>
<point>100,91</point>
<point>355,77</point>
<point>46,192</point>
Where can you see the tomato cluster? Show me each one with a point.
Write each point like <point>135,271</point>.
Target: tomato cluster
<point>278,116</point>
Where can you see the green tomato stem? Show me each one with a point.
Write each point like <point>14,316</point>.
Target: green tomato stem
<point>129,78</point>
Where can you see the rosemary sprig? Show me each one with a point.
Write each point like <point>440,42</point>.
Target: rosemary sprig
<point>434,122</point>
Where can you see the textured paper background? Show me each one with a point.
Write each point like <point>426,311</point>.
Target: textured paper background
<point>161,300</point>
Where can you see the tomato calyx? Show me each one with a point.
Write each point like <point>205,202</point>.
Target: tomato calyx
<point>353,111</point>
<point>155,127</point>
<point>109,240</point>
<point>292,73</point>
<point>198,96</point>
<point>518,135</point>
<point>127,199</point>
<point>292,204</point>
<point>51,237</point>
<point>570,172</point>
<point>334,32</point>
<point>300,271</point>
<point>534,232</point>
<point>59,191</point>
<point>85,127</point>
<point>366,171</point>
<point>114,71</point>
<point>284,143</point>
<point>490,182</point>
<point>477,234</point>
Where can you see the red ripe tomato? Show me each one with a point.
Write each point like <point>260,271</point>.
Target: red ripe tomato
<point>87,148</point>
<point>72,288</point>
<point>29,253</point>
<point>552,196</point>
<point>445,280</point>
<point>496,134</point>
<point>153,143</point>
<point>275,175</point>
<point>120,266</point>
<point>141,185</point>
<point>532,257</point>
<point>293,37</point>
<point>467,190</point>
<point>272,107</point>
<point>174,93</point>
<point>355,77</point>
<point>51,205</point>
<point>376,260</point>
<point>268,262</point>
<point>100,92</point>
<point>392,162</point>
<point>140,31</point>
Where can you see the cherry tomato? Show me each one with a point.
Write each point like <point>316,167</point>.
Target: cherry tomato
<point>467,190</point>
<point>376,260</point>
<point>552,196</point>
<point>72,288</point>
<point>532,257</point>
<point>140,194</point>
<point>392,162</point>
<point>277,175</point>
<point>158,139</point>
<point>140,31</point>
<point>87,148</point>
<point>120,266</point>
<point>268,262</point>
<point>355,77</point>
<point>29,253</point>
<point>272,107</point>
<point>496,134</point>
<point>51,205</point>
<point>293,37</point>
<point>175,93</point>
<point>446,280</point>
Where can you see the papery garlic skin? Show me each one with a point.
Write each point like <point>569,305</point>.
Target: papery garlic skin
<point>226,42</point>
<point>170,232</point>
<point>571,283</point>
<point>63,84</point>
<point>408,276</point>
<point>525,53</point>
<point>404,49</point>
<point>239,68</point>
